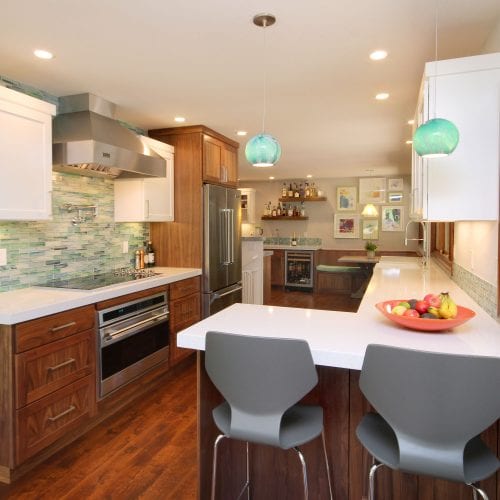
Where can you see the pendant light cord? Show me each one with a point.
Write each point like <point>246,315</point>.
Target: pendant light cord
<point>435,53</point>
<point>264,26</point>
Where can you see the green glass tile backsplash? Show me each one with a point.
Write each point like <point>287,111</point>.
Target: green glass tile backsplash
<point>38,251</point>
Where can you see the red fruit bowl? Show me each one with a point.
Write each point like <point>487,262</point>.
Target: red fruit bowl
<point>424,324</point>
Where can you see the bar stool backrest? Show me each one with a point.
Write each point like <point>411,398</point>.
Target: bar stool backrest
<point>260,378</point>
<point>435,403</point>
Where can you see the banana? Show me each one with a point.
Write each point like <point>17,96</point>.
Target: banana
<point>448,308</point>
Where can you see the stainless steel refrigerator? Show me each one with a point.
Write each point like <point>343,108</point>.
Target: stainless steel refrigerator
<point>221,248</point>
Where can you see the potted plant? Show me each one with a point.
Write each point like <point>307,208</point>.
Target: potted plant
<point>370,248</point>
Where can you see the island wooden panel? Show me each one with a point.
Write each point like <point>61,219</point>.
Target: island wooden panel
<point>276,473</point>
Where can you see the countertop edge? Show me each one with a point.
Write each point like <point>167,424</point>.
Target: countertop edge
<point>18,305</point>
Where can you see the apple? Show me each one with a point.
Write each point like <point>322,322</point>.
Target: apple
<point>433,300</point>
<point>421,306</point>
<point>412,313</point>
<point>399,310</point>
<point>404,304</point>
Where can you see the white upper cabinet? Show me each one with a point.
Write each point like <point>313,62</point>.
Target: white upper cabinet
<point>25,156</point>
<point>147,199</point>
<point>463,185</point>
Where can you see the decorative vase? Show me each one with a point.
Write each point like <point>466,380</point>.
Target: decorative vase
<point>370,254</point>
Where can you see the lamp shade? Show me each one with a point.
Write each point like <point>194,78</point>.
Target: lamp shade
<point>435,138</point>
<point>370,210</point>
<point>263,150</point>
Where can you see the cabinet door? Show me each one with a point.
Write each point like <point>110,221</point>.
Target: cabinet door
<point>229,165</point>
<point>25,157</point>
<point>278,268</point>
<point>184,312</point>
<point>212,159</point>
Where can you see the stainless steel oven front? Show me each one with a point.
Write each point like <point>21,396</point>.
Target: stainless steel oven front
<point>133,338</point>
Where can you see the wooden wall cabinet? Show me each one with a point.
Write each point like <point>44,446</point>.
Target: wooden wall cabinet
<point>25,156</point>
<point>185,310</point>
<point>197,153</point>
<point>278,268</point>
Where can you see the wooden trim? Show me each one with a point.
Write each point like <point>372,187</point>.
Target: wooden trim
<point>161,133</point>
<point>6,399</point>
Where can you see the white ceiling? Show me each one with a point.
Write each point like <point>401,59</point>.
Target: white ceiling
<point>205,60</point>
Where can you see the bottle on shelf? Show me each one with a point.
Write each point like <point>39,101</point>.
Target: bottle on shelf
<point>294,240</point>
<point>296,192</point>
<point>290,191</point>
<point>301,191</point>
<point>290,210</point>
<point>274,212</point>
<point>278,209</point>
<point>307,191</point>
<point>302,210</point>
<point>284,190</point>
<point>150,254</point>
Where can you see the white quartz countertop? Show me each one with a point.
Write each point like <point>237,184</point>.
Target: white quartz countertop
<point>339,339</point>
<point>34,302</point>
<point>291,247</point>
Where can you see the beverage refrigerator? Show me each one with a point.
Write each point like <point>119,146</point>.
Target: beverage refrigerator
<point>221,248</point>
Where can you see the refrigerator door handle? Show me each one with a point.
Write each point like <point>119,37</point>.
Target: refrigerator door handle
<point>220,295</point>
<point>231,235</point>
<point>224,257</point>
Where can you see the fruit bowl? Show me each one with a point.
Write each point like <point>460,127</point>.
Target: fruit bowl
<point>424,324</point>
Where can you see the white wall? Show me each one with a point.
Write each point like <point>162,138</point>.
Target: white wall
<point>476,248</point>
<point>320,223</point>
<point>492,43</point>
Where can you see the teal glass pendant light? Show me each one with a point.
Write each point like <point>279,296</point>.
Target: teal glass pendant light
<point>263,150</point>
<point>436,137</point>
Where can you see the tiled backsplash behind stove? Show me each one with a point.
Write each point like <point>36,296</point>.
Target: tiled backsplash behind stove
<point>38,251</point>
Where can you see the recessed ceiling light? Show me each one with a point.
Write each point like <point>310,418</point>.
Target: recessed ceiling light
<point>411,122</point>
<point>271,177</point>
<point>241,132</point>
<point>179,119</point>
<point>409,142</point>
<point>378,55</point>
<point>382,96</point>
<point>43,54</point>
<point>309,176</point>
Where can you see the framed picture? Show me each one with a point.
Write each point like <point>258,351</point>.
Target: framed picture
<point>346,198</point>
<point>370,229</point>
<point>372,190</point>
<point>392,218</point>
<point>346,226</point>
<point>395,197</point>
<point>395,184</point>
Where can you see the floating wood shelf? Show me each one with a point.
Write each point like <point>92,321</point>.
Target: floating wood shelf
<point>283,217</point>
<point>302,198</point>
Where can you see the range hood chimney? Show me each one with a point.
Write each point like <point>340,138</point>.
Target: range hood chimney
<point>87,140</point>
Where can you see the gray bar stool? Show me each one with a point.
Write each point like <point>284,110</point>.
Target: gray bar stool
<point>431,409</point>
<point>261,380</point>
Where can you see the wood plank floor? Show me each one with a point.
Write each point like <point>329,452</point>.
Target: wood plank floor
<point>148,450</point>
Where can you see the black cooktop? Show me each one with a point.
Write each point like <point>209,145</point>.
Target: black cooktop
<point>100,280</point>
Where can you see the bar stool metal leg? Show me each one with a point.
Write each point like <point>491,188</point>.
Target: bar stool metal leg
<point>476,490</point>
<point>327,465</point>
<point>304,472</point>
<point>246,486</point>
<point>371,480</point>
<point>219,438</point>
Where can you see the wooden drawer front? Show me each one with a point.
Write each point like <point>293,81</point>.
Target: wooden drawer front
<point>184,312</point>
<point>43,422</point>
<point>184,287</point>
<point>41,331</point>
<point>45,369</point>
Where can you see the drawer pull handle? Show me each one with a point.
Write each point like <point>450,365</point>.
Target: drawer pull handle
<point>65,412</point>
<point>60,365</point>
<point>62,327</point>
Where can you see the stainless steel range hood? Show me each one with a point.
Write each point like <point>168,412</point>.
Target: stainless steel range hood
<point>87,140</point>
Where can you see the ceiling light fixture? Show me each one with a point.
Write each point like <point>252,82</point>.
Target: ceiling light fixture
<point>179,119</point>
<point>411,122</point>
<point>309,176</point>
<point>436,137</point>
<point>241,133</point>
<point>378,55</point>
<point>409,142</point>
<point>271,177</point>
<point>382,96</point>
<point>263,150</point>
<point>43,54</point>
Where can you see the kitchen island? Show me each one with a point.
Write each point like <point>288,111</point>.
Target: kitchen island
<point>338,342</point>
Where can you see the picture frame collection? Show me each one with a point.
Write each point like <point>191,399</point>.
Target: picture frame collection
<point>387,194</point>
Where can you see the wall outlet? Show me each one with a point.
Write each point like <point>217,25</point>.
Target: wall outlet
<point>3,256</point>
<point>124,246</point>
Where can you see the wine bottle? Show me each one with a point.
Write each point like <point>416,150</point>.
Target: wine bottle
<point>151,255</point>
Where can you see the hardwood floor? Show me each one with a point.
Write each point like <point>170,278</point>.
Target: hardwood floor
<point>147,450</point>
<point>310,300</point>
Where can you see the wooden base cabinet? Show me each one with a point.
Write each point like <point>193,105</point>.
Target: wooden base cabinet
<point>185,310</point>
<point>278,268</point>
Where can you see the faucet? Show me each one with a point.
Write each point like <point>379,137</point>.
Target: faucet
<point>425,253</point>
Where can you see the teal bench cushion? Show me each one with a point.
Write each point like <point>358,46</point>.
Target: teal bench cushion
<point>337,269</point>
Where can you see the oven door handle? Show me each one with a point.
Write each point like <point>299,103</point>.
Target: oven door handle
<point>110,338</point>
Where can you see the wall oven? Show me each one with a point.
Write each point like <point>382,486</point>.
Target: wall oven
<point>133,338</point>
